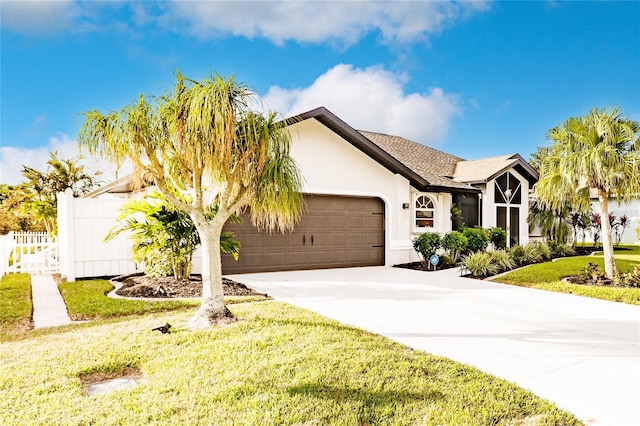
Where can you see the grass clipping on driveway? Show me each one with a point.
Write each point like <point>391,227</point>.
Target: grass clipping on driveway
<point>279,365</point>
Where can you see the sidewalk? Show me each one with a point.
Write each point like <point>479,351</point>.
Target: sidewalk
<point>49,309</point>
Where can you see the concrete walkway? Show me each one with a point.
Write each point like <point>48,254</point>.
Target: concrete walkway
<point>583,354</point>
<point>49,309</point>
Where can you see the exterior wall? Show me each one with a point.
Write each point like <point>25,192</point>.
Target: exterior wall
<point>330,165</point>
<point>489,216</point>
<point>442,225</point>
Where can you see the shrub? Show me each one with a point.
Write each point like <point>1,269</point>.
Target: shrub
<point>480,264</point>
<point>517,254</point>
<point>561,250</point>
<point>456,243</point>
<point>631,279</point>
<point>503,260</point>
<point>426,246</point>
<point>531,254</point>
<point>477,239</point>
<point>446,260</point>
<point>543,249</point>
<point>498,237</point>
<point>156,263</point>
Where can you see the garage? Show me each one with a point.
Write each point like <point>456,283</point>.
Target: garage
<point>335,232</point>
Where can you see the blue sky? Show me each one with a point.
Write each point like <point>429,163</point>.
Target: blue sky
<point>474,79</point>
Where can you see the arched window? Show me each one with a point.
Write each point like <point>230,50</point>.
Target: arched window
<point>425,212</point>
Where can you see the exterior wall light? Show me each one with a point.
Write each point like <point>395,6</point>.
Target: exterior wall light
<point>405,206</point>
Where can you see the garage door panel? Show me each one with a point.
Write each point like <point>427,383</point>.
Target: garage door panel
<point>347,231</point>
<point>355,222</point>
<point>297,258</point>
<point>337,222</point>
<point>274,241</point>
<point>337,239</point>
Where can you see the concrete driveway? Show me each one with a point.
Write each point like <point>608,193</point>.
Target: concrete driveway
<point>583,354</point>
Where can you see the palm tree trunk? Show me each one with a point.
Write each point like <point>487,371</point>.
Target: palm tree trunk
<point>212,311</point>
<point>607,243</point>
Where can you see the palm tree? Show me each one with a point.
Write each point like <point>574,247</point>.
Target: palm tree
<point>203,143</point>
<point>60,175</point>
<point>598,152</point>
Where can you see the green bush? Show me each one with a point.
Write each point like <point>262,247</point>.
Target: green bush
<point>517,254</point>
<point>456,243</point>
<point>503,260</point>
<point>480,264</point>
<point>156,263</point>
<point>531,254</point>
<point>561,250</point>
<point>477,239</point>
<point>544,249</point>
<point>426,245</point>
<point>498,237</point>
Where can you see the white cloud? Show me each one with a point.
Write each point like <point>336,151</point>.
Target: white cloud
<point>33,16</point>
<point>318,21</point>
<point>342,23</point>
<point>13,158</point>
<point>372,99</point>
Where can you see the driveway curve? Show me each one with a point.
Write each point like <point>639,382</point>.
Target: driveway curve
<point>583,354</point>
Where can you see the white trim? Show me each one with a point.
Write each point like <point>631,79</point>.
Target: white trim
<point>436,201</point>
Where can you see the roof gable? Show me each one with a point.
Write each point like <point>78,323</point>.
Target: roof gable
<point>397,154</point>
<point>485,169</point>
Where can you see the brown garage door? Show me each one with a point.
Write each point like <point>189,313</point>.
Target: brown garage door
<point>335,232</point>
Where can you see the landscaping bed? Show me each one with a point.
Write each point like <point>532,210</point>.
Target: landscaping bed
<point>140,285</point>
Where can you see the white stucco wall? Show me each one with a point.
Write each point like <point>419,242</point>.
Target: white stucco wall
<point>331,165</point>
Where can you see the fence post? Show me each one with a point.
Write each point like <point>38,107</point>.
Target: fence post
<point>4,254</point>
<point>66,237</point>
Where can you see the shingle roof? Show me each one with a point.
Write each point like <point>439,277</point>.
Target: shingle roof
<point>480,170</point>
<point>485,169</point>
<point>434,166</point>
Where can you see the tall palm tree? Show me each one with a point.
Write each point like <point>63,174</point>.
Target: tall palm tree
<point>204,143</point>
<point>599,152</point>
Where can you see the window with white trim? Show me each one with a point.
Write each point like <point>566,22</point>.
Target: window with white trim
<point>425,213</point>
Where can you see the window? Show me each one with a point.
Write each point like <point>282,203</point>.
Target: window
<point>507,189</point>
<point>424,212</point>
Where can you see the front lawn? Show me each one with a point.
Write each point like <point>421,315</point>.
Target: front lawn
<point>87,300</point>
<point>278,365</point>
<point>15,305</point>
<point>548,276</point>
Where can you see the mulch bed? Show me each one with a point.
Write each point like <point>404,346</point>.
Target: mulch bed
<point>418,266</point>
<point>144,286</point>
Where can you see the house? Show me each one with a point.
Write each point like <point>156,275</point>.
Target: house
<point>369,194</point>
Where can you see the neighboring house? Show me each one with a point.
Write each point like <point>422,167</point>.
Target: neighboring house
<point>369,194</point>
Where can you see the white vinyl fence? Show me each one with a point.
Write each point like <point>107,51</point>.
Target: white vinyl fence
<point>28,252</point>
<point>82,226</point>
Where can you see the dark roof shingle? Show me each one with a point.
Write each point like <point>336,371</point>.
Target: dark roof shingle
<point>434,166</point>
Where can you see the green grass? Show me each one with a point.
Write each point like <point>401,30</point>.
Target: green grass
<point>87,300</point>
<point>15,305</point>
<point>548,276</point>
<point>278,365</point>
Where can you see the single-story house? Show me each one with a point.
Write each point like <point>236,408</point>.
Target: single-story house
<point>369,194</point>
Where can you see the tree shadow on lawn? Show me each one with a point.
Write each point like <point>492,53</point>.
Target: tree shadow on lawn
<point>371,398</point>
